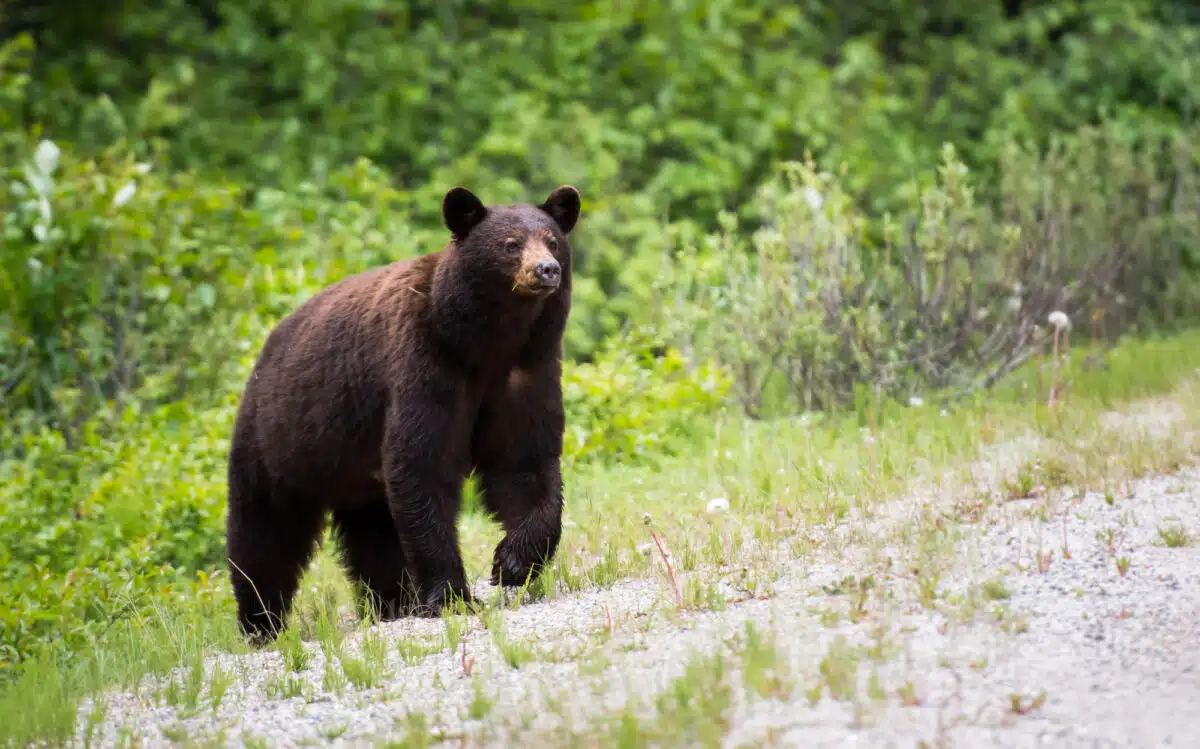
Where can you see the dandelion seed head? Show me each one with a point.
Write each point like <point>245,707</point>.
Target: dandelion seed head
<point>717,505</point>
<point>1059,319</point>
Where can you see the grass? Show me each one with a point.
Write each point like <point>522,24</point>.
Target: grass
<point>1174,535</point>
<point>791,483</point>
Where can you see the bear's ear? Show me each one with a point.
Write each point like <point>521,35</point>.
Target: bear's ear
<point>462,211</point>
<point>563,207</point>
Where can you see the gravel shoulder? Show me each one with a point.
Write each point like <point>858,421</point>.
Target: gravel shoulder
<point>952,616</point>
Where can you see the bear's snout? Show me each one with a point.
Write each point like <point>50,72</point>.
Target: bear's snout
<point>540,272</point>
<point>548,272</point>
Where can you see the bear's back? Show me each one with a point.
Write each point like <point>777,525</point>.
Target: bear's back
<point>317,394</point>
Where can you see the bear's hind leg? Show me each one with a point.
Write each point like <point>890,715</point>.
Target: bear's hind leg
<point>374,558</point>
<point>271,536</point>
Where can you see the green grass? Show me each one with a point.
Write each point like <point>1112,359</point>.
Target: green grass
<point>777,476</point>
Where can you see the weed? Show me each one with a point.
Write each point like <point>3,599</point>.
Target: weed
<point>456,626</point>
<point>184,695</point>
<point>1044,559</point>
<point>295,656</point>
<point>254,742</point>
<point>701,594</point>
<point>366,670</point>
<point>927,587</point>
<point>413,650</point>
<point>95,719</point>
<point>839,669</point>
<point>1174,535</point>
<point>333,678</point>
<point>907,694</point>
<point>468,664</point>
<point>219,682</point>
<point>286,687</point>
<point>417,734</point>
<point>516,653</point>
<point>666,560</point>
<point>994,590</point>
<point>763,671</point>
<point>1018,706</point>
<point>481,703</point>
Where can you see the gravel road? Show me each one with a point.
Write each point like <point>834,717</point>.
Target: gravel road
<point>995,638</point>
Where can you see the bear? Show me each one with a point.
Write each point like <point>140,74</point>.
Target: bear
<point>371,403</point>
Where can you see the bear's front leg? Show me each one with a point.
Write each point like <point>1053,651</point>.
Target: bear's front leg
<point>529,505</point>
<point>425,461</point>
<point>517,447</point>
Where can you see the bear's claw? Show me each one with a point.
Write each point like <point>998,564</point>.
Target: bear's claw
<point>509,569</point>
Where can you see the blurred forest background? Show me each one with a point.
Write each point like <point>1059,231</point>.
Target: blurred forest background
<point>786,206</point>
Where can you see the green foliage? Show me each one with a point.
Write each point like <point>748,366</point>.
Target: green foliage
<point>126,517</point>
<point>114,278</point>
<point>110,276</point>
<point>136,509</point>
<point>634,406</point>
<point>696,102</point>
<point>807,310</point>
<point>179,175</point>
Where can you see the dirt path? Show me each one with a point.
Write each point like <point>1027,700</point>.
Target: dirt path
<point>980,623</point>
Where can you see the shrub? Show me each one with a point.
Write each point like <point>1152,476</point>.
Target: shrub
<point>696,103</point>
<point>115,279</point>
<point>954,293</point>
<point>99,531</point>
<point>637,402</point>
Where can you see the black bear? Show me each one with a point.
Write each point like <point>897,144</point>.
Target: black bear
<point>374,400</point>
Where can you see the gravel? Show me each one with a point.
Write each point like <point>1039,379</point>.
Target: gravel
<point>1090,657</point>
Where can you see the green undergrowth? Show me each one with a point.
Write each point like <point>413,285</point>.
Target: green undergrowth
<point>777,477</point>
<point>133,515</point>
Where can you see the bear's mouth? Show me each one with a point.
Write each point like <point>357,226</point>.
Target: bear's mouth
<point>533,287</point>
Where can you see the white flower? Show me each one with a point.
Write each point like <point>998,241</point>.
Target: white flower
<point>1059,319</point>
<point>45,158</point>
<point>916,401</point>
<point>123,195</point>
<point>717,505</point>
<point>1014,304</point>
<point>142,168</point>
<point>814,199</point>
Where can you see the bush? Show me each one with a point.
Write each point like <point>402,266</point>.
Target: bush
<point>115,279</point>
<point>956,292</point>
<point>637,402</point>
<point>695,105</point>
<point>104,529</point>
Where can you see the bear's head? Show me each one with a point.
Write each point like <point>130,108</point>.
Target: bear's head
<point>523,245</point>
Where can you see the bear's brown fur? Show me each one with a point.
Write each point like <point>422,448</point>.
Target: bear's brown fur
<point>375,399</point>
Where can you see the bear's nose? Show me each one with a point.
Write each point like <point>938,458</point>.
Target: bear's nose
<point>548,271</point>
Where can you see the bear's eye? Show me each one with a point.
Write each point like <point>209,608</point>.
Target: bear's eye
<point>511,244</point>
<point>552,244</point>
